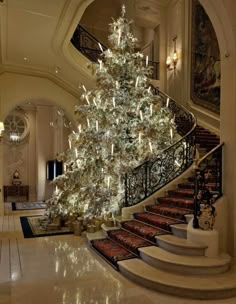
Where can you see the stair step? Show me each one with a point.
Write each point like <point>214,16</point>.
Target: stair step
<point>200,287</point>
<point>111,251</point>
<point>190,185</point>
<point>128,240</point>
<point>185,203</point>
<point>156,220</point>
<point>195,265</point>
<point>144,230</point>
<point>180,246</point>
<point>181,192</point>
<point>179,230</point>
<point>169,211</point>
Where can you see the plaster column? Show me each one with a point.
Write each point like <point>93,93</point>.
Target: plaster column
<point>44,149</point>
<point>32,155</point>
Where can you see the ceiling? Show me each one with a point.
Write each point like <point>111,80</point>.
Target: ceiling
<point>28,28</point>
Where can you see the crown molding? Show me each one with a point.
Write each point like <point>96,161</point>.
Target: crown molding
<point>20,70</point>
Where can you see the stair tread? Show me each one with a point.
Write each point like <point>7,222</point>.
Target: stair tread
<point>219,282</point>
<point>174,240</point>
<point>185,260</point>
<point>180,226</point>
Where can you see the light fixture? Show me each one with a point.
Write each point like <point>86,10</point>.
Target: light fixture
<point>57,70</point>
<point>171,61</point>
<point>1,129</point>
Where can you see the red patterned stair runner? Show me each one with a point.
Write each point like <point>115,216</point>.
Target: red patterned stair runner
<point>129,240</point>
<point>157,219</point>
<point>112,251</point>
<point>146,231</point>
<point>168,211</point>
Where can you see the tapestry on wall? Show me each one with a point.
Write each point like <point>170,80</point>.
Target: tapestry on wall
<point>205,65</point>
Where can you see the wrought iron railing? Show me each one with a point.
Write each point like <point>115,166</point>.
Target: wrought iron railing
<point>87,44</point>
<point>153,175</point>
<point>208,180</point>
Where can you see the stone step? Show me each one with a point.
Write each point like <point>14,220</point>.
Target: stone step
<point>181,193</point>
<point>190,185</point>
<point>169,211</point>
<point>179,230</point>
<point>185,203</point>
<point>127,239</point>
<point>196,287</point>
<point>156,220</point>
<point>194,265</point>
<point>142,229</point>
<point>180,246</point>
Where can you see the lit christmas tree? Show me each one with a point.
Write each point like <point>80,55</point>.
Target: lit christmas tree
<point>122,124</point>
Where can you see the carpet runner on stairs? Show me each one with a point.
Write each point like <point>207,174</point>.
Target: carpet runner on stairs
<point>123,243</point>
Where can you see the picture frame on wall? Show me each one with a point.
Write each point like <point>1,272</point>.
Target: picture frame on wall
<point>205,61</point>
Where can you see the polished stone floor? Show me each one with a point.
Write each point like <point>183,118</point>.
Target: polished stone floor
<point>63,270</point>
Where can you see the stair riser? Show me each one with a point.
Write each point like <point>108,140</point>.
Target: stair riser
<point>177,204</point>
<point>177,194</point>
<point>182,233</point>
<point>176,290</point>
<point>181,250</point>
<point>183,269</point>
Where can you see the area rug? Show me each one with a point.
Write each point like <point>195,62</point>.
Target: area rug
<point>27,206</point>
<point>31,228</point>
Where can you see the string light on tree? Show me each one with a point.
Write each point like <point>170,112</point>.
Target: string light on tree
<point>114,138</point>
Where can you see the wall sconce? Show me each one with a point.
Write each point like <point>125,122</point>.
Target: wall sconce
<point>1,129</point>
<point>171,61</point>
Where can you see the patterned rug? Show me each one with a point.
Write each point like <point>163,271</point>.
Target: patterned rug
<point>156,220</point>
<point>112,251</point>
<point>31,228</point>
<point>129,240</point>
<point>27,206</point>
<point>146,231</point>
<point>169,211</point>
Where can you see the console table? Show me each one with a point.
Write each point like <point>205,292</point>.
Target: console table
<point>15,190</point>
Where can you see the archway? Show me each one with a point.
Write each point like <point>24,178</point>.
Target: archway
<point>220,13</point>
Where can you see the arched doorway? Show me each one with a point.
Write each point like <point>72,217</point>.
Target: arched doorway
<point>221,15</point>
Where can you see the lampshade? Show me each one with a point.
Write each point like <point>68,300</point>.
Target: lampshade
<point>1,126</point>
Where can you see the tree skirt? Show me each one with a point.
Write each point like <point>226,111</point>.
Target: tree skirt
<point>31,228</point>
<point>27,206</point>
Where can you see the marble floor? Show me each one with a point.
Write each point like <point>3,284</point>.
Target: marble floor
<point>63,270</point>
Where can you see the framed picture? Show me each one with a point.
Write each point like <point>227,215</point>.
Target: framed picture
<point>205,61</point>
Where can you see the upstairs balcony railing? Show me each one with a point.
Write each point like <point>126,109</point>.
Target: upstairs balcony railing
<point>87,44</point>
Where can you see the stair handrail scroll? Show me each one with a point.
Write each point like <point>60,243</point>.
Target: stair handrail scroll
<point>207,187</point>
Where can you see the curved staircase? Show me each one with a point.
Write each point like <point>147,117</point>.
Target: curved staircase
<point>152,249</point>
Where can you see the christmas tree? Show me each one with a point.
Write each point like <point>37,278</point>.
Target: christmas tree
<point>122,124</point>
